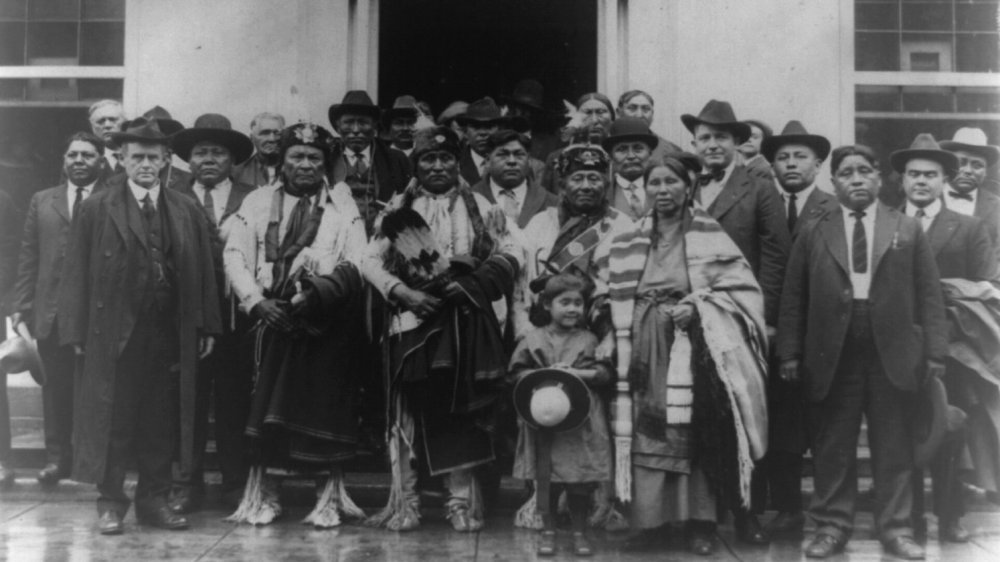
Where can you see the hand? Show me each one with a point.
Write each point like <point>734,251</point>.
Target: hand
<point>205,346</point>
<point>454,293</point>
<point>302,300</point>
<point>418,302</point>
<point>935,368</point>
<point>605,348</point>
<point>682,315</point>
<point>789,371</point>
<point>78,349</point>
<point>273,314</point>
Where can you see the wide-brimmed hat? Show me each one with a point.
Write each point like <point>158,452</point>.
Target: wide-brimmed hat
<point>940,419</point>
<point>141,130</point>
<point>167,124</point>
<point>486,112</point>
<point>576,157</point>
<point>404,106</point>
<point>795,133</point>
<point>552,400</point>
<point>527,93</point>
<point>215,128</point>
<point>971,139</point>
<point>20,354</point>
<point>626,129</point>
<point>718,114</point>
<point>356,102</point>
<point>925,147</point>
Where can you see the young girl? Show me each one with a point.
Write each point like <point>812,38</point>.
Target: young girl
<point>581,458</point>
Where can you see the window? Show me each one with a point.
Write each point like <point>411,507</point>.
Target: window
<point>62,32</point>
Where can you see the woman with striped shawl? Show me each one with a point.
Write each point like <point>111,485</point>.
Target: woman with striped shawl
<point>688,317</point>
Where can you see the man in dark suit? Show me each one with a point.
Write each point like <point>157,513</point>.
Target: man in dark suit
<point>43,252</point>
<point>139,302</point>
<point>796,157</point>
<point>630,145</point>
<point>210,148</point>
<point>372,170</point>
<point>962,249</point>
<point>749,209</point>
<point>862,325</point>
<point>966,194</point>
<point>399,122</point>
<point>481,119</point>
<point>106,118</point>
<point>506,183</point>
<point>263,167</point>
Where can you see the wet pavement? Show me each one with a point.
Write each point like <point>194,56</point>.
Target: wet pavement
<point>57,523</point>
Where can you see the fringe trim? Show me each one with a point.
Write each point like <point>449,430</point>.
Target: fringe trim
<point>332,502</point>
<point>400,513</point>
<point>606,514</point>
<point>528,517</point>
<point>260,504</point>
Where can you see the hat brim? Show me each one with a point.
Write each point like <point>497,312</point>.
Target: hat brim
<point>739,129</point>
<point>947,159</point>
<point>575,388</point>
<point>989,152</point>
<point>33,361</point>
<point>770,145</point>
<point>651,140</point>
<point>925,449</point>
<point>339,109</point>
<point>240,146</point>
<point>121,138</point>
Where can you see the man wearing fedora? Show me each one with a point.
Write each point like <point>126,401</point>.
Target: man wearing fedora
<point>139,302</point>
<point>507,184</point>
<point>630,145</point>
<point>796,156</point>
<point>8,274</point>
<point>365,163</point>
<point>262,168</point>
<point>749,209</point>
<point>481,119</point>
<point>211,148</point>
<point>962,250</point>
<point>399,123</point>
<point>170,175</point>
<point>857,278</point>
<point>966,193</point>
<point>43,254</point>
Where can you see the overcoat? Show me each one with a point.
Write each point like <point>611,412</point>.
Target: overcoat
<point>962,247</point>
<point>102,273</point>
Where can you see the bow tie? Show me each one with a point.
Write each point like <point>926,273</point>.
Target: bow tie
<point>957,195</point>
<point>712,175</point>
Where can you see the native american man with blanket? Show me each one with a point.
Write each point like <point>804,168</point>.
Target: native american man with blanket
<point>689,321</point>
<point>288,253</point>
<point>444,259</point>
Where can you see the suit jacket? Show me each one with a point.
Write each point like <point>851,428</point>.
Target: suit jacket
<point>391,169</point>
<point>619,200</point>
<point>752,214</point>
<point>104,268</point>
<point>907,312</point>
<point>818,204</point>
<point>252,172</point>
<point>535,201</point>
<point>470,172</point>
<point>43,252</point>
<point>962,247</point>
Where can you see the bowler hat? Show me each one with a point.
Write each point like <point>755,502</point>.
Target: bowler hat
<point>718,114</point>
<point>552,399</point>
<point>527,93</point>
<point>20,353</point>
<point>404,106</point>
<point>626,129</point>
<point>795,133</point>
<point>356,102</point>
<point>141,130</point>
<point>933,428</point>
<point>214,128</point>
<point>970,139</point>
<point>924,146</point>
<point>163,119</point>
<point>485,112</point>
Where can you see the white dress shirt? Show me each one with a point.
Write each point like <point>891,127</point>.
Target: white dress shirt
<point>112,158</point>
<point>352,157</point>
<point>220,196</point>
<point>406,151</point>
<point>639,189</point>
<point>800,198</point>
<point>520,192</point>
<point>71,194</point>
<point>960,205</point>
<point>479,161</point>
<point>930,211</point>
<point>861,282</point>
<point>140,193</point>
<point>711,190</point>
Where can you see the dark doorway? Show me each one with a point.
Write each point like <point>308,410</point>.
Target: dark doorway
<point>445,50</point>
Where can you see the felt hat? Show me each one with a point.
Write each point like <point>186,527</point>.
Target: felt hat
<point>214,128</point>
<point>141,130</point>
<point>626,129</point>
<point>940,419</point>
<point>163,119</point>
<point>306,134</point>
<point>576,157</point>
<point>404,106</point>
<point>973,140</point>
<point>486,112</point>
<point>718,114</point>
<point>454,110</point>
<point>924,146</point>
<point>357,102</point>
<point>435,138</point>
<point>552,399</point>
<point>764,128</point>
<point>795,133</point>
<point>527,93</point>
<point>20,353</point>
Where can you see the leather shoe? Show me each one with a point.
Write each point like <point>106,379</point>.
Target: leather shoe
<point>581,545</point>
<point>7,476</point>
<point>787,524</point>
<point>748,529</point>
<point>163,518</point>
<point>110,524</point>
<point>546,543</point>
<point>186,500</point>
<point>952,531</point>
<point>463,522</point>
<point>51,474</point>
<point>824,546</point>
<point>904,547</point>
<point>701,544</point>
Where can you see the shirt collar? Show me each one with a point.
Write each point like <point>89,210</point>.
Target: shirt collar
<point>367,152</point>
<point>869,212</point>
<point>800,195</point>
<point>947,193</point>
<point>140,192</point>
<point>518,190</point>
<point>639,182</point>
<point>930,211</point>
<point>72,187</point>
<point>477,159</point>
<point>223,185</point>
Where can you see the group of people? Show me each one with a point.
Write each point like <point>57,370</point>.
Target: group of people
<point>721,313</point>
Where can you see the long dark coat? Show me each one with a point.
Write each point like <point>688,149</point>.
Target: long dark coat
<point>95,309</point>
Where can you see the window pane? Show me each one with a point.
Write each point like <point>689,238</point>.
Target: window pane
<point>68,10</point>
<point>12,88</point>
<point>976,17</point>
<point>882,16</point>
<point>102,43</point>
<point>927,17</point>
<point>12,43</point>
<point>103,10</point>
<point>978,53</point>
<point>938,100</point>
<point>978,100</point>
<point>877,98</point>
<point>876,51</point>
<point>93,89</point>
<point>52,89</point>
<point>13,9</point>
<point>52,41</point>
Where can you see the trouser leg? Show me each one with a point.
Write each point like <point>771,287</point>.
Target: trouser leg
<point>784,472</point>
<point>459,483</point>
<point>232,392</point>
<point>57,399</point>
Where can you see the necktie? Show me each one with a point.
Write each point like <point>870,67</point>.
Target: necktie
<point>509,203</point>
<point>921,214</point>
<point>711,175</point>
<point>793,212</point>
<point>76,203</point>
<point>359,163</point>
<point>957,195</point>
<point>209,204</point>
<point>633,199</point>
<point>922,217</point>
<point>859,245</point>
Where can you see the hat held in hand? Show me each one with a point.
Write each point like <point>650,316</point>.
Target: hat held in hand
<point>552,400</point>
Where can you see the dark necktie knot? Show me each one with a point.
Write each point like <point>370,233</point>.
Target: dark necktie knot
<point>858,215</point>
<point>712,175</point>
<point>957,195</point>
<point>920,213</point>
